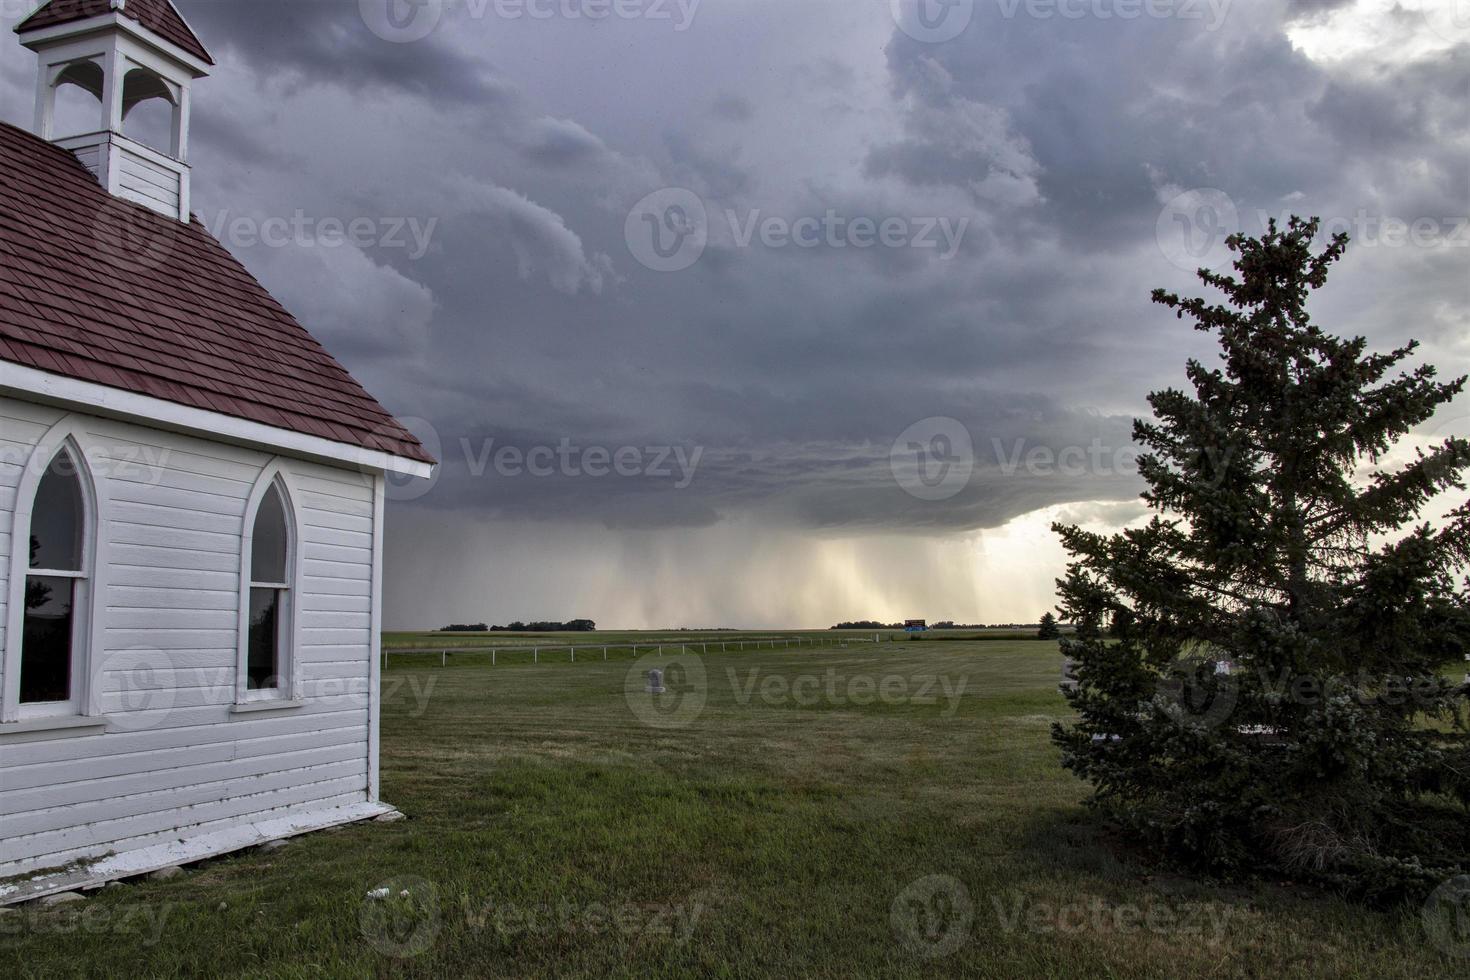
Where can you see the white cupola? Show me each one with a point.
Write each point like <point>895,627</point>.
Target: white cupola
<point>124,52</point>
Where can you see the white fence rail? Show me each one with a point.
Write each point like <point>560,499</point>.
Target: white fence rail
<point>702,646</point>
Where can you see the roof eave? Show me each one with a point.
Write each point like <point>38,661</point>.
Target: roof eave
<point>128,406</point>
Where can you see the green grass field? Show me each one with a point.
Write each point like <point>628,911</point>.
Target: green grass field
<point>874,810</point>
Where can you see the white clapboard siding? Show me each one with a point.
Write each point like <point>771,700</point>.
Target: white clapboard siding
<point>174,759</point>
<point>166,597</point>
<point>133,556</point>
<point>276,805</point>
<point>145,181</point>
<point>148,813</point>
<point>330,602</point>
<point>187,579</point>
<point>161,515</point>
<point>338,522</point>
<point>90,156</point>
<point>39,418</point>
<point>19,806</point>
<point>314,619</point>
<point>315,504</point>
<point>155,742</point>
<point>269,793</point>
<point>334,732</point>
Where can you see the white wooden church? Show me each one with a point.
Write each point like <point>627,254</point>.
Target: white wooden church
<point>191,500</point>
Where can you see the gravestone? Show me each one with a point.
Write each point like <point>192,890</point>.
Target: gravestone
<point>1069,674</point>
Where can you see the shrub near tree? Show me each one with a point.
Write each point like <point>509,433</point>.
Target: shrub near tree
<point>1048,629</point>
<point>1269,670</point>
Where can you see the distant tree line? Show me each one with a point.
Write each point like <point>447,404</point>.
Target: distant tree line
<point>571,626</point>
<point>870,624</point>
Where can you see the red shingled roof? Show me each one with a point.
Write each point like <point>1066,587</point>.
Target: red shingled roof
<point>159,16</point>
<point>97,288</point>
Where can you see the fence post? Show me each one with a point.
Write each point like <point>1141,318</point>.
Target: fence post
<point>492,656</point>
<point>604,653</point>
<point>443,658</point>
<point>535,655</point>
<point>574,653</point>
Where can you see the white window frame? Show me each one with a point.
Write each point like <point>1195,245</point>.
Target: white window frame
<point>288,623</point>
<point>65,437</point>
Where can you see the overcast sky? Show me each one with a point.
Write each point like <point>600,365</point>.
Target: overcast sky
<point>887,240</point>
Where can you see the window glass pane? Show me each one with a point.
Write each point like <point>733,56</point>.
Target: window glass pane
<point>56,520</point>
<point>268,552</point>
<point>45,652</point>
<point>263,657</point>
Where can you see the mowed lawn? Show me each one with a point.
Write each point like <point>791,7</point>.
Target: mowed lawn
<point>869,810</point>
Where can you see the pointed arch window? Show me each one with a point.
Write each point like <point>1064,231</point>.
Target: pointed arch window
<point>270,560</point>
<point>57,589</point>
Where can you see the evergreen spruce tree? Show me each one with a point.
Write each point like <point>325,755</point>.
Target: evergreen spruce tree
<point>1270,671</point>
<point>1048,629</point>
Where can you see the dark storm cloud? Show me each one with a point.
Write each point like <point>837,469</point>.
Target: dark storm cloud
<point>1160,103</point>
<point>792,371</point>
<point>733,108</point>
<point>239,144</point>
<point>560,142</point>
<point>329,41</point>
<point>1160,95</point>
<point>1297,10</point>
<point>752,450</point>
<point>716,168</point>
<point>1421,108</point>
